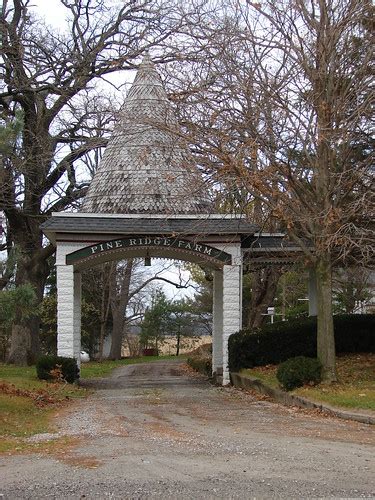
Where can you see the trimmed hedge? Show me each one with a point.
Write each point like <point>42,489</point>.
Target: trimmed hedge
<point>276,343</point>
<point>296,372</point>
<point>68,366</point>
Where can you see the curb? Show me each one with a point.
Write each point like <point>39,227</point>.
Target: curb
<point>247,382</point>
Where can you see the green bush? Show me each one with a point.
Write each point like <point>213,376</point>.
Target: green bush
<point>48,367</point>
<point>202,365</point>
<point>299,371</point>
<point>276,343</point>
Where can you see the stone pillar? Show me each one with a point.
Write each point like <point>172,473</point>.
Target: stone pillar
<point>68,303</point>
<point>68,312</point>
<point>232,310</point>
<point>312,293</point>
<point>217,327</point>
<point>77,315</point>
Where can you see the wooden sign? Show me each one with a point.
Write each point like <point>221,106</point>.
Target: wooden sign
<point>154,242</point>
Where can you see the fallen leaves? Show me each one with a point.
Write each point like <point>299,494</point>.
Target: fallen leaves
<point>41,397</point>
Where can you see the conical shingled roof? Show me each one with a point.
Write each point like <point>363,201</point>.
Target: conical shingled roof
<point>146,168</point>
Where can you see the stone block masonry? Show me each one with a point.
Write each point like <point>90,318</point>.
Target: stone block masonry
<point>68,304</point>
<point>217,327</point>
<point>232,306</point>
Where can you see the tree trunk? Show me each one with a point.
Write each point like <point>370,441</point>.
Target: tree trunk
<point>178,343</point>
<point>118,312</point>
<point>25,345</point>
<point>325,334</point>
<point>107,271</point>
<point>263,290</point>
<point>101,340</point>
<point>133,344</point>
<point>116,341</point>
<point>20,353</point>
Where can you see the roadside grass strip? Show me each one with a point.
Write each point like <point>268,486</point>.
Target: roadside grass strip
<point>355,387</point>
<point>28,405</point>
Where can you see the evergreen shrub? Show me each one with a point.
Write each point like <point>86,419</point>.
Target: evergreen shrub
<point>276,343</point>
<point>48,366</point>
<point>298,371</point>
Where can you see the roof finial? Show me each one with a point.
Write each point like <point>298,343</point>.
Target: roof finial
<point>146,61</point>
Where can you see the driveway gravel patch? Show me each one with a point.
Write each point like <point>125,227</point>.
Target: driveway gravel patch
<point>155,431</point>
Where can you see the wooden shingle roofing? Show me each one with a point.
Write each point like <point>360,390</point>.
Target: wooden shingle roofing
<point>146,167</point>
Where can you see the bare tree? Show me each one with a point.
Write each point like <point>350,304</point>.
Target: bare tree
<point>285,116</point>
<point>127,283</point>
<point>219,101</point>
<point>315,181</point>
<point>44,75</point>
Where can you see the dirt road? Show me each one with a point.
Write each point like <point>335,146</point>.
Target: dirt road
<point>156,431</point>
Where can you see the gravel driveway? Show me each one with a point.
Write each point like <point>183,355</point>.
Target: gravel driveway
<point>157,431</point>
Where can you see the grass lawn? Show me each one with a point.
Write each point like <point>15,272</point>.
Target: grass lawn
<point>355,388</point>
<point>27,403</point>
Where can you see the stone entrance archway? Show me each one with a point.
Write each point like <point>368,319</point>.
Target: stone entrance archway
<point>148,198</point>
<point>85,240</point>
